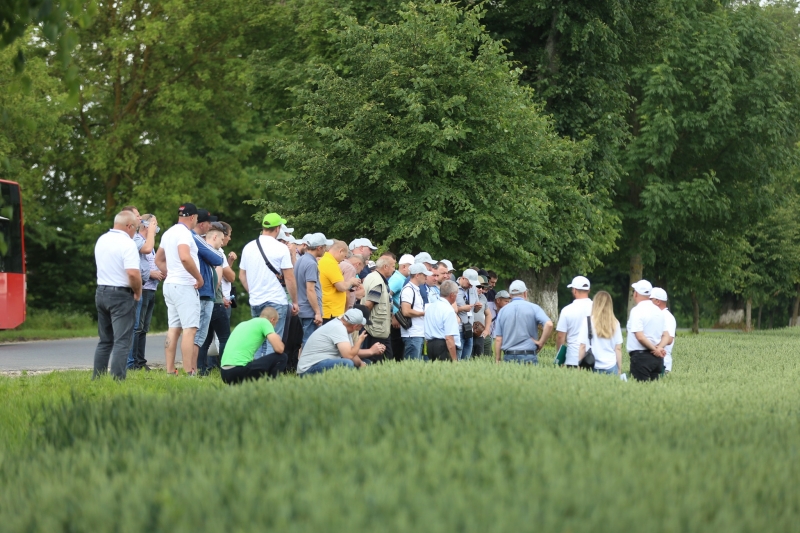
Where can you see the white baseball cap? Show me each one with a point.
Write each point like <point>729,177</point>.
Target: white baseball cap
<point>318,239</point>
<point>305,238</point>
<point>355,316</point>
<point>643,287</point>
<point>424,257</point>
<point>448,264</point>
<point>658,294</point>
<point>407,259</point>
<point>579,282</point>
<point>417,268</point>
<point>357,243</point>
<point>471,275</point>
<point>287,231</point>
<point>517,287</point>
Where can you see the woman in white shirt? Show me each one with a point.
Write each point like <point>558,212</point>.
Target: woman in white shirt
<point>606,343</point>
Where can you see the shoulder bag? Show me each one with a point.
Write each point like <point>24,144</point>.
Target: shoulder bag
<point>269,265</point>
<point>403,320</point>
<point>588,358</point>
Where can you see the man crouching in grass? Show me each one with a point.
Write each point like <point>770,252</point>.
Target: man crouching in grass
<point>238,360</point>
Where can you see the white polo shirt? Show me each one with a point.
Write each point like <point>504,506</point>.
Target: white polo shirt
<point>670,325</point>
<point>176,273</point>
<point>411,295</point>
<point>225,284</point>
<point>262,282</point>
<point>114,253</point>
<point>570,321</point>
<point>648,318</point>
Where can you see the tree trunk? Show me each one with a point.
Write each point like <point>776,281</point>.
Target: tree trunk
<point>748,315</point>
<point>695,313</point>
<point>543,289</point>
<point>635,275</point>
<point>795,308</point>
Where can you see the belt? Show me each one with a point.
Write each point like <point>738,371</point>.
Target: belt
<point>639,352</point>
<point>431,340</point>
<point>518,352</point>
<point>113,288</point>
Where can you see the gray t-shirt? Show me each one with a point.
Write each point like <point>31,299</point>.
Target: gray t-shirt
<point>480,314</point>
<point>467,296</point>
<point>305,270</point>
<point>322,343</point>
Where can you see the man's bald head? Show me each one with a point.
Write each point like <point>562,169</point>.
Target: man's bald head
<point>126,221</point>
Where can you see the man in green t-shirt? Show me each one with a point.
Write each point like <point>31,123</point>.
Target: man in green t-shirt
<point>238,362</point>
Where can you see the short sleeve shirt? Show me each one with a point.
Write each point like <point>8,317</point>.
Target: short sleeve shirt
<point>333,301</point>
<point>648,318</point>
<point>377,291</point>
<point>670,325</point>
<point>440,321</point>
<point>263,283</point>
<point>305,271</point>
<point>144,264</point>
<point>322,345</point>
<point>175,236</point>
<point>604,350</point>
<point>518,324</point>
<point>115,253</point>
<point>570,321</point>
<point>396,282</point>
<point>410,294</point>
<point>245,340</point>
<point>480,315</point>
<point>466,297</point>
<point>349,272</point>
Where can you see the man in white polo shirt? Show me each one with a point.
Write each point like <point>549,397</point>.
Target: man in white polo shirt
<point>645,328</point>
<point>264,270</point>
<point>659,297</point>
<point>119,289</point>
<point>572,317</point>
<point>177,255</point>
<point>412,306</point>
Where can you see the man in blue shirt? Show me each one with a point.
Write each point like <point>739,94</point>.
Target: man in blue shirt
<point>209,260</point>
<point>517,327</point>
<point>441,324</point>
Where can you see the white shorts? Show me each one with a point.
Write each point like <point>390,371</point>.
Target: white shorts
<point>183,306</point>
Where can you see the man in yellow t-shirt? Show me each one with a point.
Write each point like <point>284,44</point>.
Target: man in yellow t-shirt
<point>334,287</point>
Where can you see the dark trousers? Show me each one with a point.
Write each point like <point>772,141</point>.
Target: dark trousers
<point>398,347</point>
<point>116,314</point>
<point>221,325</point>
<point>645,366</point>
<point>143,327</point>
<point>437,350</point>
<point>386,356</point>
<point>269,365</point>
<point>292,341</point>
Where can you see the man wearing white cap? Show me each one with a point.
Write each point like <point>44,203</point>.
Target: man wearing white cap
<point>396,283</point>
<point>309,287</point>
<point>413,307</point>
<point>424,258</point>
<point>659,297</point>
<point>466,304</point>
<point>432,285</point>
<point>517,328</point>
<point>645,328</point>
<point>364,248</point>
<point>572,318</point>
<point>330,345</point>
<point>445,269</point>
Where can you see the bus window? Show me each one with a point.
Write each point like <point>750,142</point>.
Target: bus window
<point>10,229</point>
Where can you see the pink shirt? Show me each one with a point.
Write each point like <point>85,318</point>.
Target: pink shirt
<point>349,272</point>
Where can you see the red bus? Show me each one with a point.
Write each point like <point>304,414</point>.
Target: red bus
<point>12,257</point>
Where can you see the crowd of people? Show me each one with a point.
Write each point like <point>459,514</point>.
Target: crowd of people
<point>318,303</point>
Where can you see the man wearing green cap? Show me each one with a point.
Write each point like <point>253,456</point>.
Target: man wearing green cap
<point>266,273</point>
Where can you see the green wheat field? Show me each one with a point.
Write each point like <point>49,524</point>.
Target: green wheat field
<point>414,447</point>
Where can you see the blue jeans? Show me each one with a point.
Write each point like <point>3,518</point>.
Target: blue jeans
<point>206,310</point>
<point>465,352</point>
<point>412,347</point>
<point>529,359</point>
<point>282,310</point>
<point>327,364</point>
<point>131,363</point>
<point>612,370</point>
<point>308,328</point>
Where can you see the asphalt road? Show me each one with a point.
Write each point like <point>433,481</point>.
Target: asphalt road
<point>67,354</point>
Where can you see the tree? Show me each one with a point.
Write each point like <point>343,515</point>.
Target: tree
<point>423,138</point>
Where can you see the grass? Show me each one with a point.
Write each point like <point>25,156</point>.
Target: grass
<point>47,325</point>
<point>414,447</point>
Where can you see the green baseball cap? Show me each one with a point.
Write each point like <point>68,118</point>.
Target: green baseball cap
<point>271,220</point>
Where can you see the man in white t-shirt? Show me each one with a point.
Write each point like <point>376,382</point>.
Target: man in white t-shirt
<point>265,284</point>
<point>177,256</point>
<point>413,307</point>
<point>645,329</point>
<point>659,297</point>
<point>572,318</point>
<point>330,345</point>
<point>119,289</point>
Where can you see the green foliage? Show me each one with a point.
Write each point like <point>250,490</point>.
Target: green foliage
<point>473,447</point>
<point>424,138</point>
<point>44,324</point>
